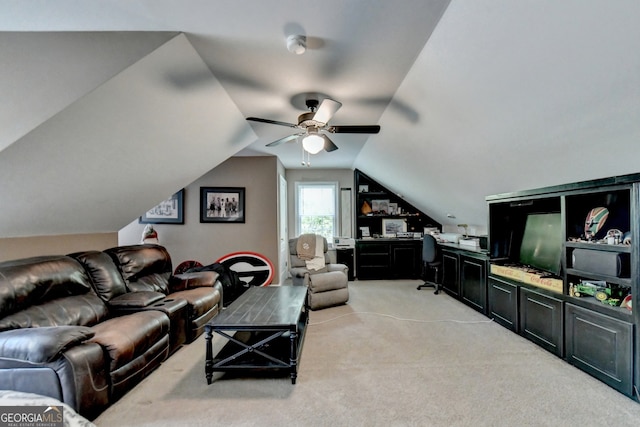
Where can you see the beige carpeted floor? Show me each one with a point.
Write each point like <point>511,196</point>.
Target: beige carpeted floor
<point>393,356</point>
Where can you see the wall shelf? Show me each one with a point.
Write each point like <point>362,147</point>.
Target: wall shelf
<point>380,257</point>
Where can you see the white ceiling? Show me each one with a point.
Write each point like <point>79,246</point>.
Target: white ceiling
<point>101,100</point>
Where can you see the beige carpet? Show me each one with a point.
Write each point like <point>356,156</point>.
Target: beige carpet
<point>393,356</point>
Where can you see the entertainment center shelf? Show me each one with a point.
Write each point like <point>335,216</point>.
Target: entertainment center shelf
<point>564,273</point>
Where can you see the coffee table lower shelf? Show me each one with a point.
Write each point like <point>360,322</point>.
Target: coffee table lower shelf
<point>258,351</point>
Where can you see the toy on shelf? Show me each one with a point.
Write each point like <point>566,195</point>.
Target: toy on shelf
<point>606,293</point>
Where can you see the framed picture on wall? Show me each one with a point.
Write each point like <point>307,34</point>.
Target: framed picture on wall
<point>222,204</point>
<point>391,227</point>
<point>170,211</point>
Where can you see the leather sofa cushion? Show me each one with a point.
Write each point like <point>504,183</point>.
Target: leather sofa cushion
<point>106,278</point>
<point>125,338</point>
<point>143,267</point>
<point>31,281</point>
<point>80,310</point>
<point>41,345</point>
<point>200,300</point>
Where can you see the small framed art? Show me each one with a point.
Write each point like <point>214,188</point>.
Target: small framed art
<point>170,211</point>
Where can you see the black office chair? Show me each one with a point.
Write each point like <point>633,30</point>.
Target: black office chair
<point>430,261</point>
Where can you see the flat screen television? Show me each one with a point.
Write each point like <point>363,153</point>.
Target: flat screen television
<point>542,242</point>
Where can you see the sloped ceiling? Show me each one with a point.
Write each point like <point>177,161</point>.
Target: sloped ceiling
<point>109,107</point>
<point>119,148</point>
<point>511,96</point>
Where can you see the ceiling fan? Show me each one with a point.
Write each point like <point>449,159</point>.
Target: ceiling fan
<point>313,123</point>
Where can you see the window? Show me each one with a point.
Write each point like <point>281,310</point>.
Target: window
<point>316,208</point>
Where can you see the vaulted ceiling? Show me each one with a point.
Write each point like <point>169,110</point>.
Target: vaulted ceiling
<point>104,103</point>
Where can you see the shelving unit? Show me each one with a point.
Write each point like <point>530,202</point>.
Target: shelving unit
<point>584,320</point>
<point>415,219</point>
<point>379,257</point>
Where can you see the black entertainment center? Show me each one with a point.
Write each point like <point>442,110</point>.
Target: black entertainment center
<point>564,273</point>
<point>561,268</point>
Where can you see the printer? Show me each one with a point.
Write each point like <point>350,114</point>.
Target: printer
<point>344,243</point>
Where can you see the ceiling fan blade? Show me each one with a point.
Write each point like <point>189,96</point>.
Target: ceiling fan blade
<point>283,140</point>
<point>354,129</point>
<point>272,122</point>
<point>328,144</point>
<point>326,110</point>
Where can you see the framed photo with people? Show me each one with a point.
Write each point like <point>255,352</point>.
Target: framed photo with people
<point>222,204</point>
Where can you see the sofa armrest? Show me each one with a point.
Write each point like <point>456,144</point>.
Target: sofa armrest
<point>132,300</point>
<point>298,272</point>
<point>199,279</point>
<point>41,345</point>
<point>299,276</point>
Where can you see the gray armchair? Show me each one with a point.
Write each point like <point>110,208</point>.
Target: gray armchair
<point>328,286</point>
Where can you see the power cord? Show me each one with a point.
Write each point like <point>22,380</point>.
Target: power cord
<point>399,318</point>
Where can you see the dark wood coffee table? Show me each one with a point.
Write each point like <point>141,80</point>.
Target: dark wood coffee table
<point>265,329</point>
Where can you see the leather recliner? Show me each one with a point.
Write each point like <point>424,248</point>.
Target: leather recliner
<point>59,339</point>
<point>148,268</point>
<point>111,288</point>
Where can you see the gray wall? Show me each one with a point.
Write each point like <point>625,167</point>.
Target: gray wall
<point>207,242</point>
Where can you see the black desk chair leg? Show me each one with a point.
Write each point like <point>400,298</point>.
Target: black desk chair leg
<point>434,284</point>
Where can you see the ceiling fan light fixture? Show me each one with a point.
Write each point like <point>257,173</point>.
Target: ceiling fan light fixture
<point>313,143</point>
<point>297,44</point>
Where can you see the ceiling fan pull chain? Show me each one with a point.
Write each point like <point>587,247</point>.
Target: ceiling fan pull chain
<point>306,162</point>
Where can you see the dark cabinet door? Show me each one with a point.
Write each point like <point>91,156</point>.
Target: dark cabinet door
<point>346,257</point>
<point>473,282</point>
<point>372,260</point>
<point>405,261</point>
<point>450,272</point>
<point>541,320</point>
<point>601,346</point>
<point>503,303</point>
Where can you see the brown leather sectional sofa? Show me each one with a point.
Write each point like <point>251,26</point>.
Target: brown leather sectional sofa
<point>85,328</point>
